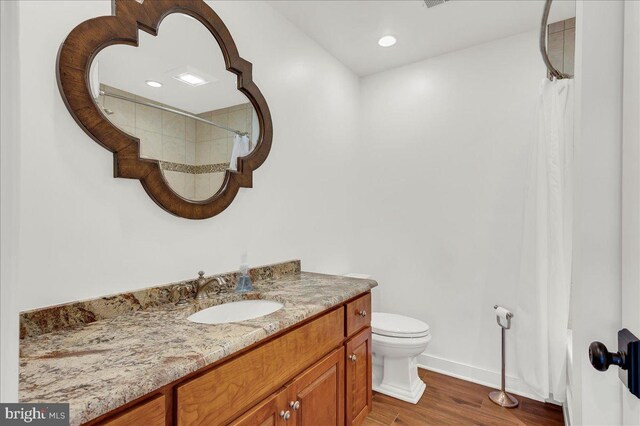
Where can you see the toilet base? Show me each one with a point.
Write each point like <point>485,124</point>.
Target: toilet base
<point>412,395</point>
<point>398,378</point>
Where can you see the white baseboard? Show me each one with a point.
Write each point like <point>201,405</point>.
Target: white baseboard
<point>476,375</point>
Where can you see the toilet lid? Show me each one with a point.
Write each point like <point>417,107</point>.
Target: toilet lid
<point>394,325</point>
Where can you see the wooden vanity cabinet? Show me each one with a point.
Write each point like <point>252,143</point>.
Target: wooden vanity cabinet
<point>223,393</point>
<point>317,374</point>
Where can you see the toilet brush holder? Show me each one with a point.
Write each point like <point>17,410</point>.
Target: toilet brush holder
<point>501,397</point>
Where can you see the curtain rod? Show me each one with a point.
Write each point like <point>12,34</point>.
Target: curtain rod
<point>175,111</point>
<point>543,44</point>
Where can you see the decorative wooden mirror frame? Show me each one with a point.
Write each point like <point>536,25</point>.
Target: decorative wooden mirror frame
<point>73,66</point>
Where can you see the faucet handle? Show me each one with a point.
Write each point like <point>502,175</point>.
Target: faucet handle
<point>182,296</point>
<point>199,282</point>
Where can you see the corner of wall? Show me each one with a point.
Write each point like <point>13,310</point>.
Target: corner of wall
<point>9,199</point>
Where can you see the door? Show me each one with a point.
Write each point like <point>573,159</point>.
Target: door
<point>317,396</point>
<point>270,412</point>
<point>605,289</point>
<point>358,372</point>
<point>631,193</point>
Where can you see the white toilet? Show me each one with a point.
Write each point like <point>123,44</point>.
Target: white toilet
<point>397,342</point>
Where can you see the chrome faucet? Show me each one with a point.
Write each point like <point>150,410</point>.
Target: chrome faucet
<point>203,283</point>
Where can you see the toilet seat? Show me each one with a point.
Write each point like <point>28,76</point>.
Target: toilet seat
<point>401,344</point>
<point>398,326</point>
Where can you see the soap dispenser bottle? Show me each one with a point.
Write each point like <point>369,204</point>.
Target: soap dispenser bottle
<point>244,281</point>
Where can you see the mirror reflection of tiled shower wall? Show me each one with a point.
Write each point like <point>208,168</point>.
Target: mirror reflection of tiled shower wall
<point>214,145</point>
<point>561,41</point>
<point>194,155</point>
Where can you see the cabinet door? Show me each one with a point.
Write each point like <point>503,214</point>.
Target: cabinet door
<point>316,397</point>
<point>266,413</point>
<point>358,378</point>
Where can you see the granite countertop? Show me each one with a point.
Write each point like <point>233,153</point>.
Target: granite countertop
<point>100,366</point>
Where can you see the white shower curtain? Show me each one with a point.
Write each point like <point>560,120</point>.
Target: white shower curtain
<point>241,148</point>
<point>542,313</point>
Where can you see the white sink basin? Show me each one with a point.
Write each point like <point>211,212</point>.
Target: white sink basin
<point>235,311</point>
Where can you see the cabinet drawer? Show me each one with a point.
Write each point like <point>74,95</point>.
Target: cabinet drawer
<point>149,413</point>
<point>358,314</point>
<point>224,392</point>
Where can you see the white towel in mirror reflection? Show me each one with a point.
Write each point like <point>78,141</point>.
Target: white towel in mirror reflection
<point>240,149</point>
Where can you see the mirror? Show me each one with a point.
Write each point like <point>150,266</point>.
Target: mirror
<point>174,93</point>
<point>162,86</point>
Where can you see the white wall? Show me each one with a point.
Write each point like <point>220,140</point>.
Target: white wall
<point>443,161</point>
<point>596,305</point>
<point>84,234</point>
<point>9,198</point>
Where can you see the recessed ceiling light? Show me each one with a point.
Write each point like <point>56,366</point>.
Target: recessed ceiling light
<point>387,41</point>
<point>191,79</point>
<point>154,83</point>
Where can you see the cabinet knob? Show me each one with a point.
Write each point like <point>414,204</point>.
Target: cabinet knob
<point>362,313</point>
<point>295,405</point>
<point>285,414</point>
<point>353,358</point>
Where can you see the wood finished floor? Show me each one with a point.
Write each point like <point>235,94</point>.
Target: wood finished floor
<point>450,401</point>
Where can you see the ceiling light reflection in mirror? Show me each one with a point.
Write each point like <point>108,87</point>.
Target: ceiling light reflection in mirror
<point>387,41</point>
